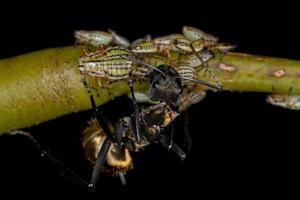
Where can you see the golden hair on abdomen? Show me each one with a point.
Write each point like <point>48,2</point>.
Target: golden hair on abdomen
<point>117,160</point>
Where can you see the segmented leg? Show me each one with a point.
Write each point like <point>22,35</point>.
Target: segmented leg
<point>171,137</point>
<point>165,142</point>
<point>100,162</point>
<point>187,133</point>
<point>136,112</point>
<point>64,170</point>
<point>122,178</point>
<point>97,114</point>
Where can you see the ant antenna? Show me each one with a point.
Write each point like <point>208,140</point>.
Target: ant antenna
<point>218,86</point>
<point>131,58</point>
<point>215,86</point>
<point>210,71</point>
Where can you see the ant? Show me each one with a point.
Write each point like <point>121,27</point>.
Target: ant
<point>166,88</point>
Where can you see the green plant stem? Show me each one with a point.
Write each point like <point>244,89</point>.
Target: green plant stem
<point>46,84</point>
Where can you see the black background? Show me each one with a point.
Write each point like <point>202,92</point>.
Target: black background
<point>241,145</point>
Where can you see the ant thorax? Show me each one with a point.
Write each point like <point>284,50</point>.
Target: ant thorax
<point>160,115</point>
<point>152,119</point>
<point>125,129</point>
<point>155,118</point>
<point>165,87</point>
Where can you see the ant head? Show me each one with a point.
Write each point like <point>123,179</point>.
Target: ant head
<point>166,86</point>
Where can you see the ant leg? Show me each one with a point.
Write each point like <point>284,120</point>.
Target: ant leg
<point>122,178</point>
<point>97,114</point>
<point>122,127</point>
<point>99,163</point>
<point>186,132</point>
<point>119,131</point>
<point>165,142</point>
<point>65,171</point>
<point>136,112</point>
<point>171,137</point>
<point>106,144</point>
